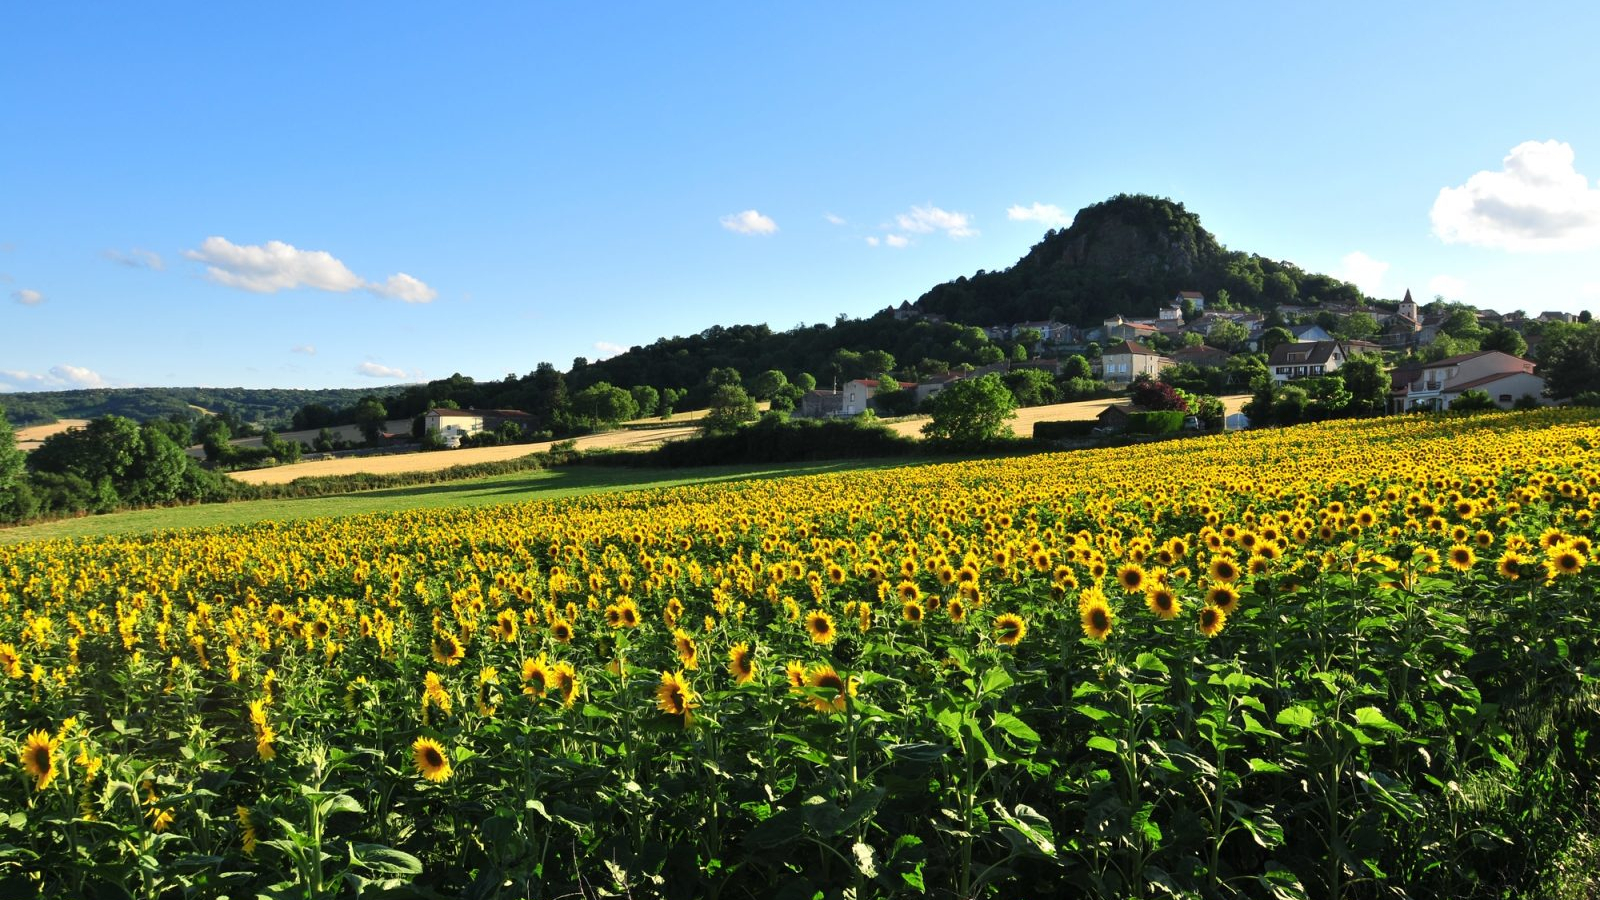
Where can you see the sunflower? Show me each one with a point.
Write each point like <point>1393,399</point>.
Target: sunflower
<point>831,687</point>
<point>10,661</point>
<point>535,677</point>
<point>909,591</point>
<point>675,697</point>
<point>564,678</point>
<point>796,673</point>
<point>561,630</point>
<point>247,830</point>
<point>1131,577</point>
<point>1009,629</point>
<point>1224,597</point>
<point>1163,602</point>
<point>506,625</point>
<point>912,611</point>
<point>1462,558</point>
<point>1211,621</point>
<point>1223,569</point>
<point>447,650</point>
<point>741,663</point>
<point>688,653</point>
<point>1514,565</point>
<point>39,758</point>
<point>1563,559</point>
<point>820,626</point>
<point>956,610</point>
<point>432,762</point>
<point>1097,620</point>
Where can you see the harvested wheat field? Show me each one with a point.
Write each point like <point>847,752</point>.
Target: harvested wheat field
<point>1022,423</point>
<point>444,459</point>
<point>31,437</point>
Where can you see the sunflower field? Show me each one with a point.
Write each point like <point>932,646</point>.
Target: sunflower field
<point>1354,659</point>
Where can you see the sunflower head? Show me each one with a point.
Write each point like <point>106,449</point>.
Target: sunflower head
<point>796,673</point>
<point>561,630</point>
<point>1097,620</point>
<point>431,760</point>
<point>1131,577</point>
<point>741,663</point>
<point>1224,597</point>
<point>1163,602</point>
<point>1461,557</point>
<point>820,626</point>
<point>675,697</point>
<point>1009,629</point>
<point>912,611</point>
<point>1211,621</point>
<point>830,689</point>
<point>1223,569</point>
<point>39,758</point>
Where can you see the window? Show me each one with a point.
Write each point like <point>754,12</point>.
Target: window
<point>1505,398</point>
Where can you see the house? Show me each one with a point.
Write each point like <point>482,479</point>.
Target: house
<point>1302,360</point>
<point>1173,311</point>
<point>1435,385</point>
<point>1119,329</point>
<point>1557,317</point>
<point>1050,332</point>
<point>1203,355</point>
<point>859,393</point>
<point>936,384</point>
<point>904,311</point>
<point>1195,297</point>
<point>820,404</point>
<point>1114,418</point>
<point>454,424</point>
<point>1309,333</point>
<point>1124,362</point>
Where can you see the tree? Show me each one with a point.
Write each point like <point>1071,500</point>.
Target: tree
<point>890,398</point>
<point>1031,387</point>
<point>371,414</point>
<point>729,408</point>
<point>646,398</point>
<point>989,354</point>
<point>1505,340</point>
<point>669,400</point>
<point>1228,335</point>
<point>723,376</point>
<point>1193,338</point>
<point>1357,326</point>
<point>969,412</point>
<point>1473,401</point>
<point>603,403</point>
<point>767,384</point>
<point>1569,359</point>
<point>213,434</point>
<point>11,469</point>
<point>1367,382</point>
<point>1272,337</point>
<point>1156,395</point>
<point>1461,322</point>
<point>1076,367</point>
<point>805,381</point>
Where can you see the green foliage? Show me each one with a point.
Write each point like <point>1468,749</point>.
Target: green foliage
<point>772,439</point>
<point>1075,366</point>
<point>370,415</point>
<point>11,467</point>
<point>646,399</point>
<point>1368,383</point>
<point>603,404</point>
<point>766,385</point>
<point>276,406</point>
<point>729,408</point>
<point>1505,340</point>
<point>1031,387</point>
<point>1357,326</point>
<point>1155,421</point>
<point>1063,430</point>
<point>1272,337</point>
<point>969,412</point>
<point>1473,401</point>
<point>1228,335</point>
<point>1569,358</point>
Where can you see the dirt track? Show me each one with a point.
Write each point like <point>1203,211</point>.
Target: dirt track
<point>1022,423</point>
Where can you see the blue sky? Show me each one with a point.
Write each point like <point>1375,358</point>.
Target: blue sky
<point>324,195</point>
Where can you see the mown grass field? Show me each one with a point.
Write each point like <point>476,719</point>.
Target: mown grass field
<point>543,484</point>
<point>1347,660</point>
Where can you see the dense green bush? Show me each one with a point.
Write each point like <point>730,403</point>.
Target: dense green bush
<point>1061,430</point>
<point>1160,421</point>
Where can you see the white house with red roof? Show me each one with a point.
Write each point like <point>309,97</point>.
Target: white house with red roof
<point>1436,385</point>
<point>858,393</point>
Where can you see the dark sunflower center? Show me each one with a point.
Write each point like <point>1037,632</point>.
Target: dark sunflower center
<point>432,757</point>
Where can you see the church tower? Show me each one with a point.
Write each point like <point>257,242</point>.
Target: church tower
<point>1408,308</point>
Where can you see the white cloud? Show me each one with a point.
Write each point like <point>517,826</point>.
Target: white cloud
<point>1447,286</point>
<point>749,222</point>
<point>62,377</point>
<point>277,266</point>
<point>928,219</point>
<point>136,259</point>
<point>374,370</point>
<point>873,241</point>
<point>1362,271</point>
<point>833,219</point>
<point>27,297</point>
<point>307,349</point>
<point>897,241</point>
<point>608,349</point>
<point>1043,213</point>
<point>401,286</point>
<point>1537,201</point>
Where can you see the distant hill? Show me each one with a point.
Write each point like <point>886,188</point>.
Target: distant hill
<point>271,406</point>
<point>1126,255</point>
